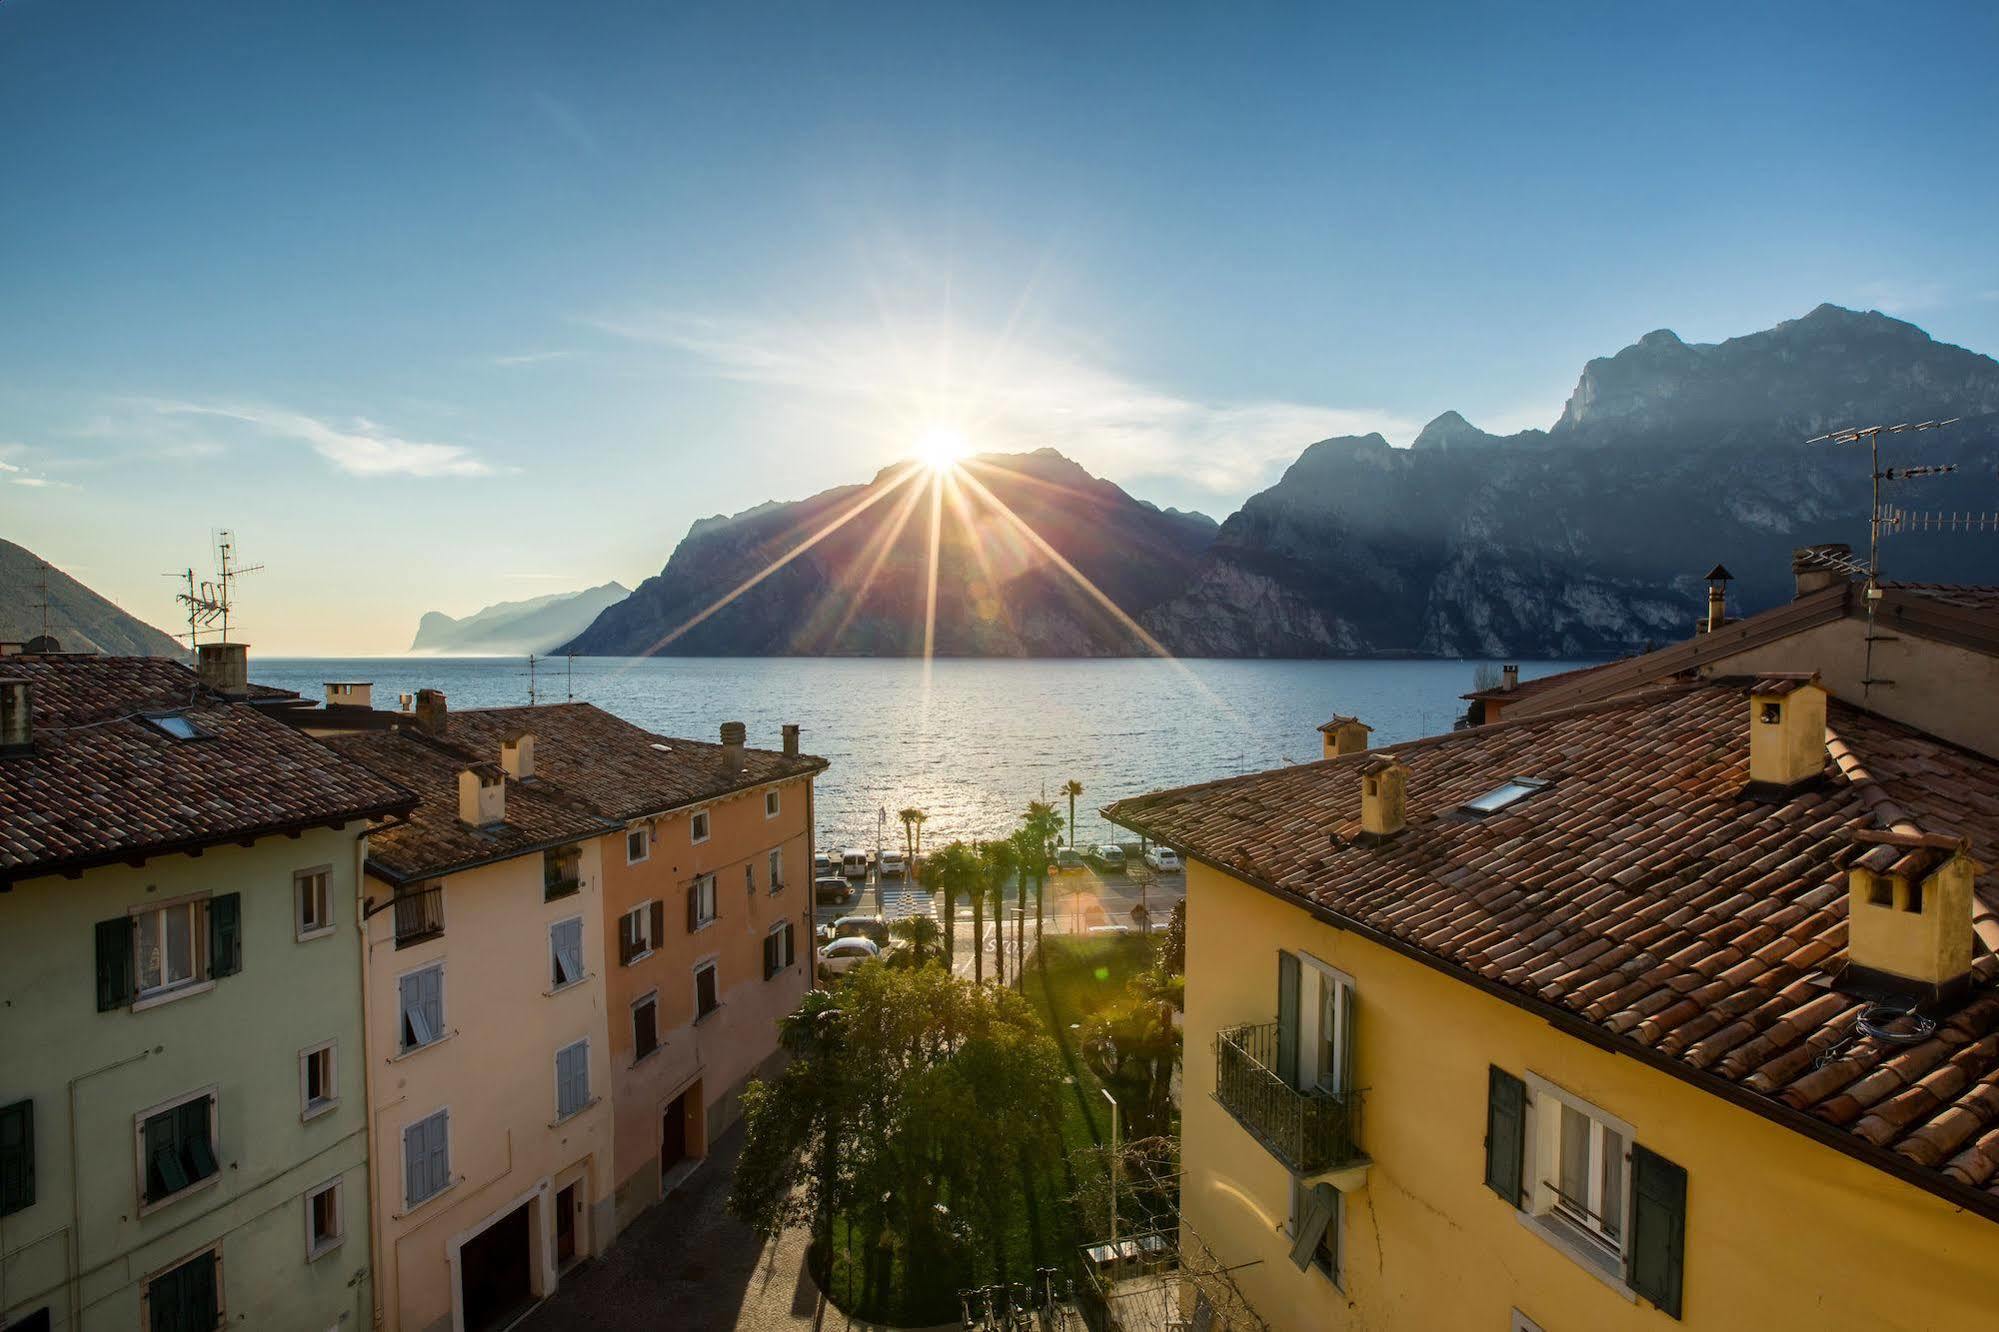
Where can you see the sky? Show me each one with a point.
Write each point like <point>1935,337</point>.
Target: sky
<point>436,305</point>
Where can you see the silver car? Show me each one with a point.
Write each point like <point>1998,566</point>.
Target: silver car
<point>843,955</point>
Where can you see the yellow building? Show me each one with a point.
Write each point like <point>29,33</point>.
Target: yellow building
<point>1679,1005</point>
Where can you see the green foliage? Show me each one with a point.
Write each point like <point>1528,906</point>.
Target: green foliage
<point>924,937</point>
<point>951,873</point>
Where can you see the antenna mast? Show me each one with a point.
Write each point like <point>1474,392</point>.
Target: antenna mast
<point>227,572</point>
<point>531,696</point>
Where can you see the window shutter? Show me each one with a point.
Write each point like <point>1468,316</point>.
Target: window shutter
<point>1315,1214</point>
<point>225,935</point>
<point>433,1000</point>
<point>694,906</point>
<point>1348,1002</point>
<point>440,1150</point>
<point>627,939</point>
<point>770,953</point>
<point>1505,1133</point>
<point>790,945</point>
<point>17,1157</point>
<point>199,1293</point>
<point>416,1163</point>
<point>1287,1018</point>
<point>410,997</point>
<point>1658,1229</point>
<point>114,963</point>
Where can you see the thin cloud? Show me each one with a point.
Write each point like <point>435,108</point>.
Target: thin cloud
<point>40,482</point>
<point>1008,396</point>
<point>365,449</point>
<point>533,358</point>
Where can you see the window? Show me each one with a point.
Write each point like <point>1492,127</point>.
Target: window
<point>187,1297</point>
<point>17,1157</point>
<point>426,1158</point>
<point>324,1227</point>
<point>778,951</point>
<point>36,1321</point>
<point>565,952</point>
<point>645,1027</point>
<point>1579,1169</point>
<point>176,1147</point>
<point>572,1079</point>
<point>312,897</point>
<point>1315,1008</point>
<point>175,726</point>
<point>750,879</point>
<point>318,1081</point>
<point>638,846</point>
<point>777,869</point>
<point>640,931</point>
<point>561,872</point>
<point>422,1002</point>
<point>697,825</point>
<point>1518,788</point>
<point>701,903</point>
<point>1315,1228</point>
<point>705,1000</point>
<point>770,804</point>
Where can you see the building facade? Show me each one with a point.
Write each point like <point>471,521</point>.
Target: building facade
<point>183,1125</point>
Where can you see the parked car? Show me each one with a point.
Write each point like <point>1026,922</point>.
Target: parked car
<point>832,888</point>
<point>1110,931</point>
<point>862,927</point>
<point>889,865</point>
<point>822,864</point>
<point>843,955</point>
<point>854,863</point>
<point>1108,858</point>
<point>1068,860</point>
<point>1163,859</point>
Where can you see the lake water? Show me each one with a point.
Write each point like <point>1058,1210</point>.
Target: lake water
<point>970,742</point>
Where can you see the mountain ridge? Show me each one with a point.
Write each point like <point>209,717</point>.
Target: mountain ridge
<point>508,628</point>
<point>79,619</point>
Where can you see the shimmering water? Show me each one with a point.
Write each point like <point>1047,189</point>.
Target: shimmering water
<point>970,742</point>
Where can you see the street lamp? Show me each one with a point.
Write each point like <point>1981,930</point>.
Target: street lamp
<point>1117,1165</point>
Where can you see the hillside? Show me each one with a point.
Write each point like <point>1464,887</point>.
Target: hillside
<point>78,619</point>
<point>512,628</point>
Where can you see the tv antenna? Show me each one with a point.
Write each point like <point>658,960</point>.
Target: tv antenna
<point>227,571</point>
<point>1884,519</point>
<point>531,694</point>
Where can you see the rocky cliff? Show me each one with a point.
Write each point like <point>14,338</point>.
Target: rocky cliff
<point>509,628</point>
<point>78,619</point>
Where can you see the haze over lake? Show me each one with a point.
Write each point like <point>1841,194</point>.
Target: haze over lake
<point>982,739</point>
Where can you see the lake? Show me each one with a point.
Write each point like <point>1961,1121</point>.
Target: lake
<point>968,741</point>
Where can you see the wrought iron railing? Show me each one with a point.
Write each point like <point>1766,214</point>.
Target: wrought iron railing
<point>419,916</point>
<point>1309,1130</point>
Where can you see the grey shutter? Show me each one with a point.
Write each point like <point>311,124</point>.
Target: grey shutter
<point>17,1157</point>
<point>433,1000</point>
<point>1505,1133</point>
<point>1658,1229</point>
<point>1315,1213</point>
<point>1349,1001</point>
<point>1287,1018</point>
<point>416,1163</point>
<point>567,939</point>
<point>410,999</point>
<point>439,1145</point>
<point>225,935</point>
<point>114,963</point>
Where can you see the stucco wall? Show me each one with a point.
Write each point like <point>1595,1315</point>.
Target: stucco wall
<point>242,1036</point>
<point>724,1049</point>
<point>1781,1232</point>
<point>495,1072</point>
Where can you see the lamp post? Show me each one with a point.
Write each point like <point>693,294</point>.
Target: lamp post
<point>1117,1167</point>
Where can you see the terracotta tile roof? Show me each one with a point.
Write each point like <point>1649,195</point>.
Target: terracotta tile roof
<point>1641,900</point>
<point>104,784</point>
<point>1541,683</point>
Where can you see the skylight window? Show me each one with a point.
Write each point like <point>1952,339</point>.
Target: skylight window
<point>1514,789</point>
<point>175,725</point>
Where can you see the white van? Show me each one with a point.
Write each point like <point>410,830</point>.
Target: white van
<point>1162,859</point>
<point>891,865</point>
<point>854,864</point>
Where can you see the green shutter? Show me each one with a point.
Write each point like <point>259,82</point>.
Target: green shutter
<point>1349,1000</point>
<point>114,963</point>
<point>1315,1206</point>
<point>225,935</point>
<point>202,1304</point>
<point>197,1150</point>
<point>1287,1018</point>
<point>1658,1229</point>
<point>1505,1133</point>
<point>17,1157</point>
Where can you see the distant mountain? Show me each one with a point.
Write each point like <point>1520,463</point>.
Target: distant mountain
<point>1590,538</point>
<point>512,628</point>
<point>862,587</point>
<point>78,619</point>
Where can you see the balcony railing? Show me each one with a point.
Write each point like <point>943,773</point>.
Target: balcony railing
<point>564,886</point>
<point>419,916</point>
<point>1309,1130</point>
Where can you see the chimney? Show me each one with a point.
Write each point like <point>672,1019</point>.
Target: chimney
<point>350,694</point>
<point>224,667</point>
<point>17,716</point>
<point>1343,735</point>
<point>1718,579</point>
<point>1786,733</point>
<point>482,795</point>
<point>791,739</point>
<point>1909,917</point>
<point>517,756</point>
<point>430,710</point>
<point>732,745</point>
<point>1813,576</point>
<point>1382,781</point>
<point>1509,677</point>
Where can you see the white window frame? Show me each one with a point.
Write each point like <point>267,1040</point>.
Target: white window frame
<point>1335,1227</point>
<point>588,1098</point>
<point>708,906</point>
<point>1541,1161</point>
<point>644,836</point>
<point>643,914</point>
<point>318,1246</point>
<point>773,805</point>
<point>443,1016</point>
<point>450,1180</point>
<point>650,997</point>
<point>776,866</point>
<point>307,1107</point>
<point>699,825</point>
<point>713,967</point>
<point>300,879</point>
<point>197,949</point>
<point>1325,979</point>
<point>582,962</point>
<point>214,1094</point>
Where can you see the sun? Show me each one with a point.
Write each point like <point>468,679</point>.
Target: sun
<point>941,448</point>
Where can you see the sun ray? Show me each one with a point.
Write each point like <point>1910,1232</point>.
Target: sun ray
<point>877,551</point>
<point>977,541</point>
<point>930,590</point>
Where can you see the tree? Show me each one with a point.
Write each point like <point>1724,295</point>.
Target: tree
<point>1072,788</point>
<point>1043,826</point>
<point>998,859</point>
<point>922,936</point>
<point>911,817</point>
<point>951,874</point>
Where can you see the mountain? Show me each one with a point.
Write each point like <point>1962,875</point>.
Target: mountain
<point>847,572</point>
<point>78,619</point>
<point>512,628</point>
<point>1590,538</point>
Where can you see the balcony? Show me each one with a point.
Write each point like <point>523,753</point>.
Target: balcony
<point>418,915</point>
<point>1310,1131</point>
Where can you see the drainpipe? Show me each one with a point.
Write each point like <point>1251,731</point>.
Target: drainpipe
<point>368,1081</point>
<point>76,1190</point>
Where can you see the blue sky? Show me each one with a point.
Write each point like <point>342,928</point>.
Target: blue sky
<point>443,304</point>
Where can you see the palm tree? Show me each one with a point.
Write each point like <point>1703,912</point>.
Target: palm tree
<point>998,859</point>
<point>922,936</point>
<point>950,874</point>
<point>1072,788</point>
<point>910,817</point>
<point>1043,826</point>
